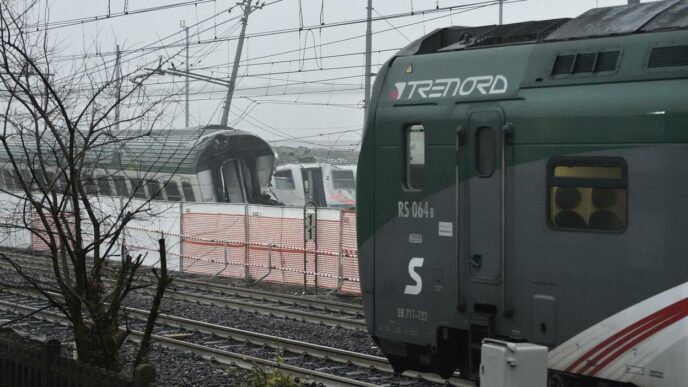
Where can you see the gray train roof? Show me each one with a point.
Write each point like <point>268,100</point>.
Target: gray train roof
<point>186,151</point>
<point>599,22</point>
<point>191,150</point>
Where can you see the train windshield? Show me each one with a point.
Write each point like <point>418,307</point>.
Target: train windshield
<point>284,180</point>
<point>343,179</point>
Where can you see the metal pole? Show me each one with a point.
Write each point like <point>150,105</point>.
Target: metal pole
<point>369,47</point>
<point>181,236</point>
<point>316,251</point>
<point>237,58</point>
<point>501,11</point>
<point>187,71</point>
<point>118,82</point>
<point>247,239</point>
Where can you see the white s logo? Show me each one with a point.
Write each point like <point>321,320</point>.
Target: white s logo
<point>418,286</point>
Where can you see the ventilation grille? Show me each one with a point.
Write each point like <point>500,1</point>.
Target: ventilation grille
<point>586,63</point>
<point>673,56</point>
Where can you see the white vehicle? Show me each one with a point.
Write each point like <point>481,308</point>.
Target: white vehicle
<point>205,164</point>
<point>324,184</point>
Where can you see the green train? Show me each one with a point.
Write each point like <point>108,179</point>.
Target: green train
<point>525,182</point>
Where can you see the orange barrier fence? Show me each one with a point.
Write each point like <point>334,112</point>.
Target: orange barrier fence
<point>249,242</point>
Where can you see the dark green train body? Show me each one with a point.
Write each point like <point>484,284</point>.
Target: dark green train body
<point>523,182</point>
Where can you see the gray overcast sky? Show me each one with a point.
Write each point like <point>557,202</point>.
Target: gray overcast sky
<point>271,99</point>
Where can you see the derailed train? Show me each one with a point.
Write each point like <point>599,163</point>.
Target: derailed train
<point>523,182</point>
<point>206,164</point>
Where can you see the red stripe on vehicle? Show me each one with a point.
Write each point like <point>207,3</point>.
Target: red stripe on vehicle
<point>628,333</point>
<point>623,349</point>
<point>657,319</point>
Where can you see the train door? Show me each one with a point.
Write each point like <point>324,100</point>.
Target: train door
<point>232,182</point>
<point>485,192</point>
<point>313,189</point>
<point>483,203</point>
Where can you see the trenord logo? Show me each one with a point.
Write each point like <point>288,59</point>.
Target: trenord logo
<point>439,88</point>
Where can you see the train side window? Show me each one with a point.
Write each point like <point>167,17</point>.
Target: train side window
<point>154,189</point>
<point>104,185</point>
<point>25,175</point>
<point>188,191</point>
<point>485,151</point>
<point>61,182</point>
<point>588,193</point>
<point>415,156</point>
<point>120,186</point>
<point>284,180</point>
<point>138,188</point>
<point>50,179</point>
<point>89,185</point>
<point>172,191</point>
<point>9,180</point>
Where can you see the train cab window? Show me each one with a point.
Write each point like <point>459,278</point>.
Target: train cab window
<point>104,185</point>
<point>138,188</point>
<point>154,189</point>
<point>415,156</point>
<point>588,194</point>
<point>188,191</point>
<point>485,151</point>
<point>120,186</point>
<point>343,179</point>
<point>284,180</point>
<point>172,191</point>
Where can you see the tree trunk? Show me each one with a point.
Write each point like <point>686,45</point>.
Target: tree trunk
<point>99,344</point>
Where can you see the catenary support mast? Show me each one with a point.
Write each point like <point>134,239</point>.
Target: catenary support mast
<point>118,86</point>
<point>186,29</point>
<point>246,4</point>
<point>369,47</point>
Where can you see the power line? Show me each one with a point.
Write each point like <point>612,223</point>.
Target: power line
<point>472,6</point>
<point>41,26</point>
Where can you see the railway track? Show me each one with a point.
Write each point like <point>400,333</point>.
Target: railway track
<point>238,347</point>
<point>306,309</point>
<point>223,357</point>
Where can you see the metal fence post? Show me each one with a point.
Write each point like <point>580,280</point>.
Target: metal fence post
<point>310,233</point>
<point>247,273</point>
<point>181,235</point>
<point>51,353</point>
<point>340,267</point>
<point>123,250</point>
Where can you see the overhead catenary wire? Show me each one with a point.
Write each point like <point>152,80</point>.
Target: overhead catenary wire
<point>466,7</point>
<point>45,26</point>
<point>198,57</point>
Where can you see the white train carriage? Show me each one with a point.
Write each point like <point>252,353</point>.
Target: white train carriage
<point>205,164</point>
<point>324,184</point>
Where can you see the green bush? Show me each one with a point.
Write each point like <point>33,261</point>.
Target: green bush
<point>261,378</point>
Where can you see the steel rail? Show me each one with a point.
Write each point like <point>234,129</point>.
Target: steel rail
<point>226,358</point>
<point>271,310</point>
<point>275,342</point>
<point>253,295</point>
<point>329,305</point>
<point>223,357</point>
